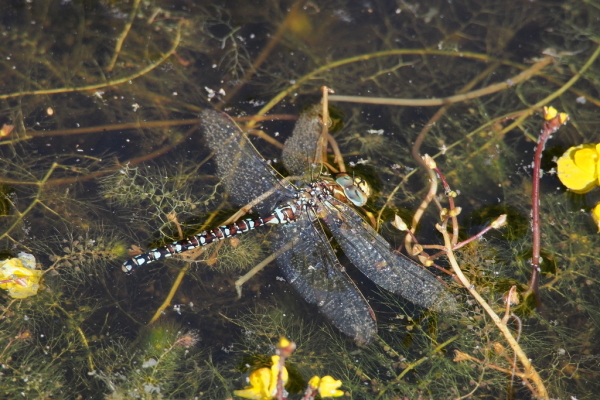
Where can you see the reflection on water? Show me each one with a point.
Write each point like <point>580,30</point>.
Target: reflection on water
<point>101,158</point>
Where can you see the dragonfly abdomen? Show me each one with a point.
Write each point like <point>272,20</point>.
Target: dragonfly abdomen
<point>283,214</point>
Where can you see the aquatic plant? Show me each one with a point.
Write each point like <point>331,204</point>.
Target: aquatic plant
<point>270,382</point>
<point>99,153</point>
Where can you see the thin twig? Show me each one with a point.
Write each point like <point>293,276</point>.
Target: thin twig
<point>84,340</point>
<point>433,184</point>
<point>123,35</point>
<point>133,161</point>
<point>35,201</point>
<point>538,106</point>
<point>321,148</point>
<point>465,356</point>
<point>362,57</point>
<point>418,158</point>
<point>420,361</point>
<point>423,133</point>
<point>261,265</point>
<point>521,115</point>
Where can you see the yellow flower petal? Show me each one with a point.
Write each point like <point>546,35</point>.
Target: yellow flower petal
<point>586,159</point>
<point>283,342</point>
<point>314,382</point>
<point>328,387</point>
<point>259,386</point>
<point>596,215</point>
<point>578,168</point>
<point>549,113</point>
<point>563,118</point>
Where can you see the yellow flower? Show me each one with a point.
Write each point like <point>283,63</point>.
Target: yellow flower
<point>19,276</point>
<point>263,382</point>
<point>328,387</point>
<point>596,215</point>
<point>578,167</point>
<point>551,113</point>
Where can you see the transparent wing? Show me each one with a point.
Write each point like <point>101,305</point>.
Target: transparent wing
<point>300,151</point>
<point>312,268</point>
<point>245,174</point>
<point>373,255</point>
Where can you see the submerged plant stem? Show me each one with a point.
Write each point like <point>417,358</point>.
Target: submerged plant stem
<point>35,201</point>
<point>549,128</point>
<point>420,361</point>
<point>266,50</point>
<point>261,265</point>
<point>417,156</point>
<point>521,116</point>
<point>84,340</point>
<point>169,298</point>
<point>537,106</point>
<point>523,76</point>
<point>431,193</point>
<point>123,35</point>
<point>96,174</point>
<point>362,57</point>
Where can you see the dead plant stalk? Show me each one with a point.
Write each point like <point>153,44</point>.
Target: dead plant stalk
<point>529,371</point>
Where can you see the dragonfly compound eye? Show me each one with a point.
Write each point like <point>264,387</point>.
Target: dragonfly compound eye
<point>356,190</point>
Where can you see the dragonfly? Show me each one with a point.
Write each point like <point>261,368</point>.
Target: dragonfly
<point>298,209</point>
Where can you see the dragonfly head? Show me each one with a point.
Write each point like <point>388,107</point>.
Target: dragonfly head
<point>355,189</point>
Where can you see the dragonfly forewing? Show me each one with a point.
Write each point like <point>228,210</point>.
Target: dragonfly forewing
<point>243,172</point>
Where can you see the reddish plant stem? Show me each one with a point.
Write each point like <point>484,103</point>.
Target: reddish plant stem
<point>285,349</point>
<point>495,225</point>
<point>550,126</point>
<point>473,238</point>
<point>450,194</point>
<point>310,393</point>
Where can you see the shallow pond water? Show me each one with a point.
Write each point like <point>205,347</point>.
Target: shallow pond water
<point>103,156</point>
